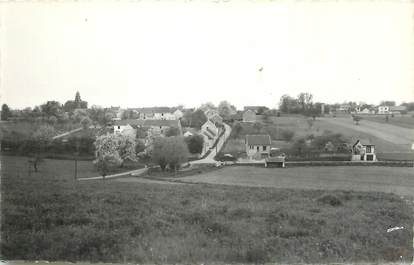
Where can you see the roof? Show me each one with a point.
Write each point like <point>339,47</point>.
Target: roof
<point>363,142</point>
<point>254,108</point>
<point>132,122</point>
<point>398,108</point>
<point>154,109</point>
<point>258,139</point>
<point>275,159</point>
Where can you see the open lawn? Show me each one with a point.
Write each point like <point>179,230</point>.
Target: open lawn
<point>388,138</point>
<point>49,216</point>
<point>398,180</point>
<point>59,168</point>
<point>404,121</point>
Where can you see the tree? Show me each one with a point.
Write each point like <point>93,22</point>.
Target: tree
<point>305,101</point>
<point>195,143</point>
<point>172,131</point>
<point>171,151</point>
<point>387,103</point>
<point>79,115</point>
<point>289,104</point>
<point>356,119</point>
<point>41,138</point>
<point>198,118</point>
<point>225,109</point>
<point>51,108</point>
<point>287,135</point>
<point>5,112</point>
<point>207,105</point>
<point>113,149</point>
<point>86,122</point>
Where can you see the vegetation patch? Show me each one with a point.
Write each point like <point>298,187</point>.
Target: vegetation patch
<point>49,216</point>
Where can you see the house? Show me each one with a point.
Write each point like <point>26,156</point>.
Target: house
<point>366,111</point>
<point>363,151</point>
<point>256,109</point>
<point>383,110</point>
<point>238,116</point>
<point>124,127</point>
<point>152,127</point>
<point>216,119</point>
<point>210,129</point>
<point>258,146</point>
<point>398,109</point>
<point>249,116</point>
<point>178,114</point>
<point>155,113</point>
<point>210,113</point>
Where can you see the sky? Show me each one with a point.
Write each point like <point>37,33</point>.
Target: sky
<point>159,53</point>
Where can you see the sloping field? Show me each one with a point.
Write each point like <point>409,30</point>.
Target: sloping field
<point>388,138</point>
<point>382,179</point>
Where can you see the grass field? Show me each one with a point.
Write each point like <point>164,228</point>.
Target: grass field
<point>56,167</point>
<point>48,216</point>
<point>405,121</point>
<point>397,180</point>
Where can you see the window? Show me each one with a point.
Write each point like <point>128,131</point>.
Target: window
<point>264,147</point>
<point>368,149</point>
<point>119,127</point>
<point>257,148</point>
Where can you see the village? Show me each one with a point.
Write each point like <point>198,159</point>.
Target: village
<point>206,132</point>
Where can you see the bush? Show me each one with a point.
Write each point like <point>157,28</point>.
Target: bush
<point>330,199</point>
<point>287,135</point>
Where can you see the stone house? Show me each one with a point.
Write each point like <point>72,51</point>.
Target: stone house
<point>258,146</point>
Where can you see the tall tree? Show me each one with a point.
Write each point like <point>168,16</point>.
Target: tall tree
<point>198,118</point>
<point>225,109</point>
<point>195,143</point>
<point>171,151</point>
<point>5,112</point>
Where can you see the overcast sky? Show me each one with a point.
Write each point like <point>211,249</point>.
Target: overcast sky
<point>156,53</point>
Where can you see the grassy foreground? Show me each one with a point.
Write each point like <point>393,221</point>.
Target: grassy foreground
<point>45,217</point>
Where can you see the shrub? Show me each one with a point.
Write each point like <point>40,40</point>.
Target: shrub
<point>330,199</point>
<point>287,135</point>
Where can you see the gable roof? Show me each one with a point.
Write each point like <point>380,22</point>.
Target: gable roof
<point>154,110</point>
<point>132,122</point>
<point>250,111</point>
<point>398,108</point>
<point>363,142</point>
<point>258,139</point>
<point>254,108</point>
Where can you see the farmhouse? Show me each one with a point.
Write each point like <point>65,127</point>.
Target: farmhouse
<point>153,127</point>
<point>363,151</point>
<point>383,110</point>
<point>258,146</point>
<point>216,119</point>
<point>158,113</point>
<point>249,116</point>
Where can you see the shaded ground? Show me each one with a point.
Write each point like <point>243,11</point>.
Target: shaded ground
<point>383,179</point>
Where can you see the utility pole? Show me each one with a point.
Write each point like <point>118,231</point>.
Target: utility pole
<point>76,159</point>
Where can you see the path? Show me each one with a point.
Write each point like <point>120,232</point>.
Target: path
<point>66,133</point>
<point>209,159</point>
<point>136,172</point>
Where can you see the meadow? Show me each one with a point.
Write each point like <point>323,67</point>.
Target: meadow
<point>49,216</point>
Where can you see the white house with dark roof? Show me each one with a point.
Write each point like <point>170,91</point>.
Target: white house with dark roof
<point>154,127</point>
<point>363,151</point>
<point>258,145</point>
